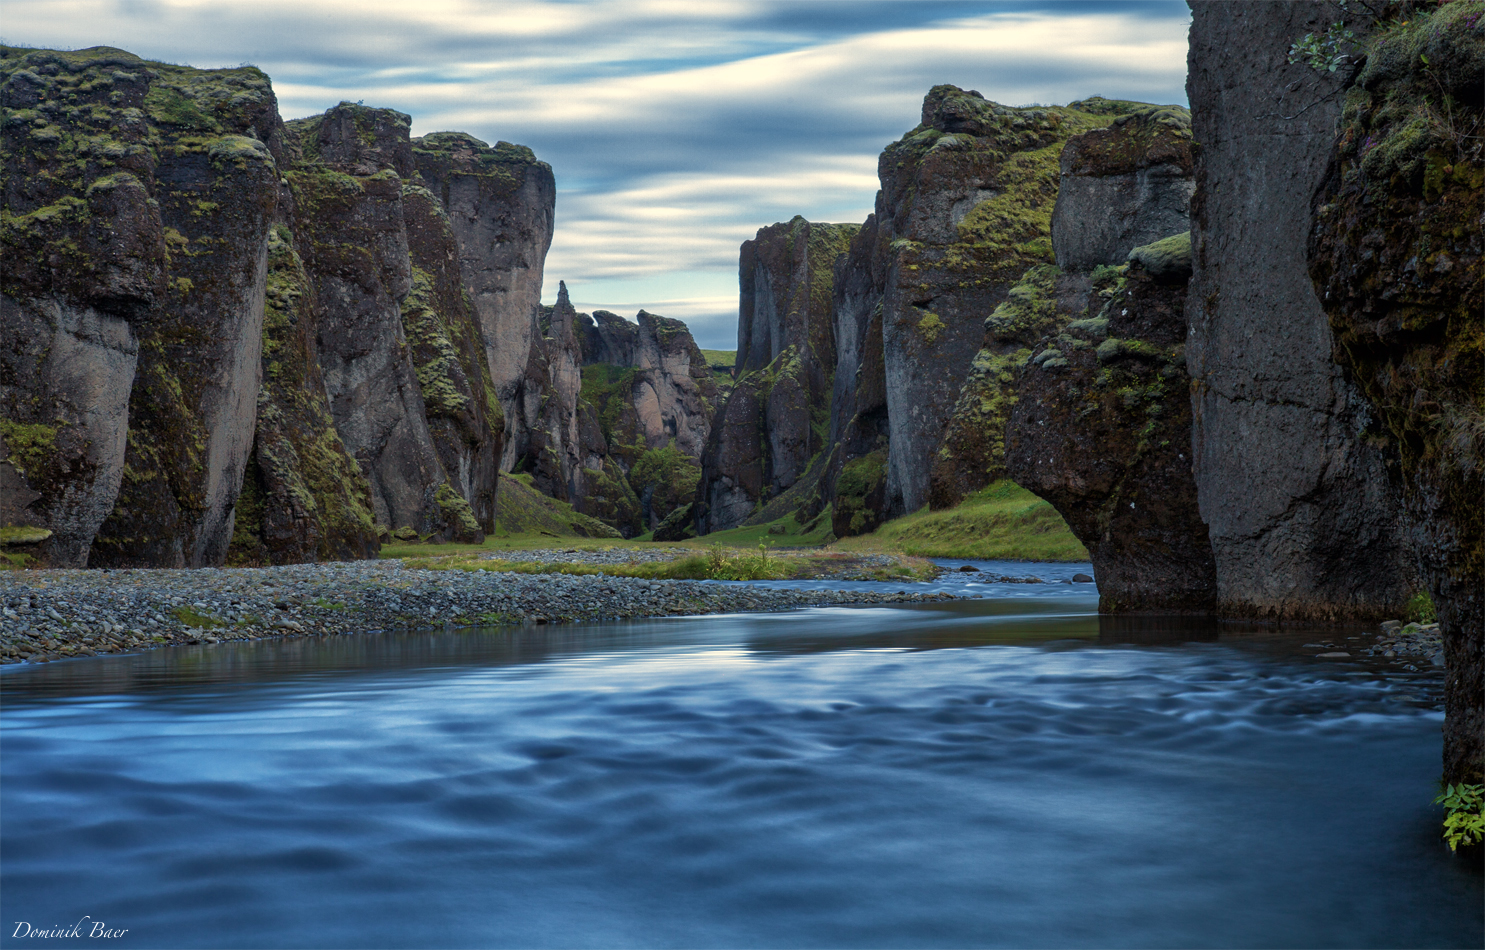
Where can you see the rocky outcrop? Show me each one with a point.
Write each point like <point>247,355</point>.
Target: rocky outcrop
<point>1292,483</point>
<point>1123,187</point>
<point>138,199</point>
<point>222,337</point>
<point>303,497</point>
<point>353,237</point>
<point>965,209</point>
<point>785,362</point>
<point>1396,257</point>
<point>1101,428</point>
<point>858,401</point>
<point>500,201</point>
<point>616,414</point>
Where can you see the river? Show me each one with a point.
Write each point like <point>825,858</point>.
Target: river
<point>1007,772</point>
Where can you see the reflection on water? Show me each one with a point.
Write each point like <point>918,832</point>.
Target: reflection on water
<point>1005,772</point>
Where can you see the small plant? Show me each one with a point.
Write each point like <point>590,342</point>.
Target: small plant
<point>1420,608</point>
<point>1326,52</point>
<point>1464,823</point>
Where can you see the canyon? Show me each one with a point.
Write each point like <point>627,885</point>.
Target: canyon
<point>1238,346</point>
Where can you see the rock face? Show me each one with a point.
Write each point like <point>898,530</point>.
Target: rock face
<point>774,422</point>
<point>1123,187</point>
<point>965,209</point>
<point>353,237</point>
<point>500,201</point>
<point>139,197</point>
<point>1396,256</point>
<point>303,498</point>
<point>1292,485</point>
<point>616,414</point>
<point>222,337</point>
<point>1101,428</point>
<point>1098,411</point>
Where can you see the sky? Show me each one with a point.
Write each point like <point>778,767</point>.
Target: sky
<point>675,128</point>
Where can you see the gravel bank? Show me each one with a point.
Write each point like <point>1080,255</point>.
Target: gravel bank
<point>50,614</point>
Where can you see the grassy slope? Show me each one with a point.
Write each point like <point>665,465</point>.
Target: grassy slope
<point>1001,521</point>
<point>727,358</point>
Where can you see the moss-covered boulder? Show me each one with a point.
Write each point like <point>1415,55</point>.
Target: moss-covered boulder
<point>1396,257</point>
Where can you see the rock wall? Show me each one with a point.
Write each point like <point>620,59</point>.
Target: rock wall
<point>1101,428</point>
<point>617,412</point>
<point>353,237</point>
<point>1292,484</point>
<point>139,197</point>
<point>1396,255</point>
<point>223,337</point>
<point>784,374</point>
<point>500,202</point>
<point>965,209</point>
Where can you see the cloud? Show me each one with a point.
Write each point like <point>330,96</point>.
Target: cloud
<point>675,128</point>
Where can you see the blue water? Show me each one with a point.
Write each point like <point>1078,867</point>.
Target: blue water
<point>1007,772</point>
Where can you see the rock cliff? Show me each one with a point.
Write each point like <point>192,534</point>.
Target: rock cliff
<point>138,198</point>
<point>224,336</point>
<point>775,420</point>
<point>1395,252</point>
<point>1101,428</point>
<point>500,201</point>
<point>617,413</point>
<point>965,209</point>
<point>1292,483</point>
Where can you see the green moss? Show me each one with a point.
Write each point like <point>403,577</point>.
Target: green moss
<point>191,618</point>
<point>170,106</point>
<point>859,479</point>
<point>23,534</point>
<point>455,509</point>
<point>30,447</point>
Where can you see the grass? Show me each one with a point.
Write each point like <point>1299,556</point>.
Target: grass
<point>716,562</point>
<point>727,358</point>
<point>1002,521</point>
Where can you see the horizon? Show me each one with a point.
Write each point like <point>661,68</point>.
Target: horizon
<point>674,131</point>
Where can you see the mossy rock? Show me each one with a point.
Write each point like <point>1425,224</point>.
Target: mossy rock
<point>1167,260</point>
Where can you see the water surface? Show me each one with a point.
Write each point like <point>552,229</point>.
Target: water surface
<point>1007,772</point>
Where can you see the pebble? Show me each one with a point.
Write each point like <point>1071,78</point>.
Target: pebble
<point>51,614</point>
<point>1415,642</point>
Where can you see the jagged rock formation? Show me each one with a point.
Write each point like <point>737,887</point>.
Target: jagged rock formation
<point>1396,256</point>
<point>1101,428</point>
<point>774,421</point>
<point>219,333</point>
<point>625,414</point>
<point>1292,484</point>
<point>354,242</point>
<point>500,202</point>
